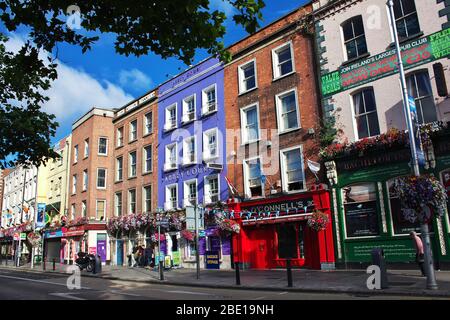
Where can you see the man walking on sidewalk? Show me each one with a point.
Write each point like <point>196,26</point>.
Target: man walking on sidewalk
<point>419,251</point>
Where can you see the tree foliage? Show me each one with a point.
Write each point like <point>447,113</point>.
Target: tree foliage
<point>169,28</point>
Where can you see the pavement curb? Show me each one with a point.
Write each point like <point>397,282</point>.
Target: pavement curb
<point>384,292</point>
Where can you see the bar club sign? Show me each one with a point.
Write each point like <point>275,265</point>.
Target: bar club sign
<point>414,53</point>
<point>281,210</point>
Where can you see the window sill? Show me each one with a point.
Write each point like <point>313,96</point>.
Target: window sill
<point>288,131</point>
<point>84,191</point>
<point>131,178</point>
<point>283,76</point>
<point>403,40</point>
<point>118,147</point>
<point>170,129</point>
<point>102,188</point>
<point>248,91</point>
<point>132,141</point>
<point>206,114</point>
<point>102,154</point>
<point>147,173</point>
<point>85,157</point>
<point>188,164</point>
<point>243,144</point>
<point>363,56</point>
<point>147,134</point>
<point>210,159</point>
<point>118,181</point>
<point>170,169</point>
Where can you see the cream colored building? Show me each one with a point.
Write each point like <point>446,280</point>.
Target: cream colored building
<point>57,180</point>
<point>349,32</point>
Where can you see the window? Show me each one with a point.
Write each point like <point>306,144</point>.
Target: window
<point>210,144</point>
<point>171,157</point>
<point>147,159</point>
<point>101,178</point>
<point>85,180</point>
<point>148,123</point>
<point>252,178</point>
<point>100,209</point>
<point>209,100</point>
<point>446,183</point>
<point>420,88</point>
<point>120,137</point>
<point>293,176</point>
<point>132,201</point>
<point>83,209</point>
<point>247,76</point>
<point>74,184</point>
<point>354,37</point>
<point>103,146</point>
<point>212,189</point>
<point>119,169</point>
<point>287,111</point>
<point>188,109</point>
<point>171,197</point>
<point>190,193</point>
<point>171,117</point>
<point>360,207</point>
<point>50,193</point>
<point>58,187</point>
<point>406,18</point>
<point>282,59</point>
<point>250,124</point>
<point>118,204</point>
<point>75,154</point>
<point>366,116</point>
<point>132,164</point>
<point>147,198</point>
<point>189,151</point>
<point>72,211</point>
<point>86,148</point>
<point>133,130</point>
<point>403,220</point>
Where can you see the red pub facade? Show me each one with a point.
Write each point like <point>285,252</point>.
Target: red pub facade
<point>275,229</point>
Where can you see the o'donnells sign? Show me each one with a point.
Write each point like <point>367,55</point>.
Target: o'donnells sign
<point>416,52</point>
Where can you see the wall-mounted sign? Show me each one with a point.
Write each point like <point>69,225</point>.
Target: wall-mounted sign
<point>414,53</point>
<point>191,172</point>
<point>40,218</point>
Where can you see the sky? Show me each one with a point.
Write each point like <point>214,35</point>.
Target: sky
<point>103,78</point>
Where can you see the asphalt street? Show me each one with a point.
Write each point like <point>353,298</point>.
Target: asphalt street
<point>19,285</point>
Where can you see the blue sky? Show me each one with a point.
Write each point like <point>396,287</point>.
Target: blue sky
<point>103,78</point>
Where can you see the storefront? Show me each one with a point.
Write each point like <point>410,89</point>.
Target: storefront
<point>369,214</point>
<point>53,246</point>
<point>275,229</point>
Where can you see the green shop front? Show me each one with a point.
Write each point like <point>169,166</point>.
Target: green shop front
<point>368,214</point>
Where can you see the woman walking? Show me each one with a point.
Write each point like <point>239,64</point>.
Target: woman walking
<point>418,244</point>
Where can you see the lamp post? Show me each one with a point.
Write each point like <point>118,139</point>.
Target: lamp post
<point>429,267</point>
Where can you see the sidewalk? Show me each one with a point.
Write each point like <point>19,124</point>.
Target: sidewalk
<point>401,282</point>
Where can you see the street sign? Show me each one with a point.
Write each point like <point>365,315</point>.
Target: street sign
<point>190,218</point>
<point>417,138</point>
<point>23,236</point>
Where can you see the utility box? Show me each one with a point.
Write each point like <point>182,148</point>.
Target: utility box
<point>378,260</point>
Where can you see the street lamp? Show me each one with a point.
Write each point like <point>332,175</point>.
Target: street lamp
<point>429,267</point>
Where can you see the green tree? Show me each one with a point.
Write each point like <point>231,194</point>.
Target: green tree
<point>169,28</point>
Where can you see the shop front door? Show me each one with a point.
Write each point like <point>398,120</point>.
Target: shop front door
<point>119,252</point>
<point>101,246</point>
<point>262,247</point>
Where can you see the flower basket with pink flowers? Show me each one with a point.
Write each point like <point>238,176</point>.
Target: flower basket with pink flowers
<point>318,221</point>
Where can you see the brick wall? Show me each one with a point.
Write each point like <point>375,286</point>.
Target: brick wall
<point>304,82</point>
<point>138,145</point>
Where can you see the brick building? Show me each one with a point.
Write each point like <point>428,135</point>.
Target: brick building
<point>135,158</point>
<point>272,120</point>
<point>91,183</point>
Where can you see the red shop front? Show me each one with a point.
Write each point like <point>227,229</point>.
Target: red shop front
<point>275,229</point>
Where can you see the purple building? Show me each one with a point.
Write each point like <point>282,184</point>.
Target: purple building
<point>191,150</point>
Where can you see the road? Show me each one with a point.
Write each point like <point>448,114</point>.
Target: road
<point>19,285</point>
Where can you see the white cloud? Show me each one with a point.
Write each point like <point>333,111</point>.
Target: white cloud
<point>224,6</point>
<point>75,91</point>
<point>135,79</point>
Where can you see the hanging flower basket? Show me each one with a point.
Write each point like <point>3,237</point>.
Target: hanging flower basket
<point>419,194</point>
<point>155,236</point>
<point>34,238</point>
<point>188,235</point>
<point>229,225</point>
<point>318,221</point>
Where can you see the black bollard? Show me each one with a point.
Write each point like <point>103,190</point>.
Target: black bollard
<point>238,275</point>
<point>161,271</point>
<point>54,264</point>
<point>289,272</point>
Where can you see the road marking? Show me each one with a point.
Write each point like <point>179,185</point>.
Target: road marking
<point>40,281</point>
<point>67,295</point>
<point>284,292</point>
<point>190,292</point>
<point>259,298</point>
<point>122,293</point>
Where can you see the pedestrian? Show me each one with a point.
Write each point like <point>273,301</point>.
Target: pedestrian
<point>133,256</point>
<point>418,245</point>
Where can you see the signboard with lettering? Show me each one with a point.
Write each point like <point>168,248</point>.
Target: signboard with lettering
<point>415,123</point>
<point>176,258</point>
<point>212,259</point>
<point>414,53</point>
<point>40,218</point>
